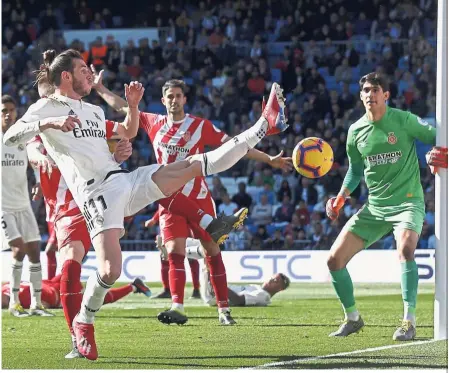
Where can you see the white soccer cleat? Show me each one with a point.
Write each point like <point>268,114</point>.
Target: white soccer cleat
<point>40,311</point>
<point>17,311</point>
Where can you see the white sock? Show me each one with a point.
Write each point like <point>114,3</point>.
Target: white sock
<point>194,252</point>
<point>35,284</point>
<point>409,316</point>
<point>206,220</point>
<point>14,283</point>
<point>178,306</point>
<point>352,316</point>
<point>227,155</point>
<point>93,298</point>
<point>223,309</point>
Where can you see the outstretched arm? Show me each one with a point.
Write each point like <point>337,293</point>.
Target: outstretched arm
<point>129,127</point>
<point>113,100</point>
<point>278,161</point>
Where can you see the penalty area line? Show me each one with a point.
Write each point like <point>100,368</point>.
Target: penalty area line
<point>313,358</point>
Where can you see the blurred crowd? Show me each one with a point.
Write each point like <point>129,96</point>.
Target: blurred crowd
<point>229,53</point>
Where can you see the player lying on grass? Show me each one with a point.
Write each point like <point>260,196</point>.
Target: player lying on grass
<point>381,148</point>
<point>106,192</point>
<point>174,136</point>
<point>239,295</point>
<point>51,292</point>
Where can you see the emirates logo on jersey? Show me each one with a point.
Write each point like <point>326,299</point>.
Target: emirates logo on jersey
<point>392,139</point>
<point>187,136</point>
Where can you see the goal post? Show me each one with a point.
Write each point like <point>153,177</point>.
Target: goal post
<point>441,186</point>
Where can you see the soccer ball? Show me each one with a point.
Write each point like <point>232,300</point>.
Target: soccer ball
<point>313,157</point>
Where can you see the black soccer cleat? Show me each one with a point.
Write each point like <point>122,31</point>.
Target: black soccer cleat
<point>221,226</point>
<point>164,294</point>
<point>141,287</point>
<point>225,318</point>
<point>172,316</point>
<point>196,294</point>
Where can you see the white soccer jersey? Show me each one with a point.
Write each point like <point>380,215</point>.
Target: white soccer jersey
<point>82,155</point>
<point>254,294</point>
<point>15,196</point>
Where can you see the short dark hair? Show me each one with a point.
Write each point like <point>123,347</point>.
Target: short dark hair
<point>174,83</point>
<point>375,79</point>
<point>7,99</point>
<point>285,280</point>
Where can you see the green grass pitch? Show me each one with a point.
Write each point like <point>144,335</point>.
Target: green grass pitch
<point>292,332</point>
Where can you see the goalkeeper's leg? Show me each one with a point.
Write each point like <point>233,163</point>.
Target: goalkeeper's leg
<point>407,240</point>
<point>344,248</point>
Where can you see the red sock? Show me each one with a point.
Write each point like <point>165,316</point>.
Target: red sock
<point>179,204</point>
<point>114,294</point>
<point>51,264</point>
<point>165,266</point>
<point>71,290</point>
<point>177,276</point>
<point>218,279</point>
<point>195,270</point>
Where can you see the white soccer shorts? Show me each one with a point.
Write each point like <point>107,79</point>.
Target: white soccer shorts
<point>18,224</point>
<point>121,194</point>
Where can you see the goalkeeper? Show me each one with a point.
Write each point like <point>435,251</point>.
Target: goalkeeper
<point>381,147</point>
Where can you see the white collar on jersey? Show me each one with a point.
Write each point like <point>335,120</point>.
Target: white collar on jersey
<point>70,101</point>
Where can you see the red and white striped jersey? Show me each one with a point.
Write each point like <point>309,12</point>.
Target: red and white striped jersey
<point>59,201</point>
<point>174,141</point>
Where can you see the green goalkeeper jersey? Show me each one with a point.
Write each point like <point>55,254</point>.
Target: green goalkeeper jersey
<point>386,151</point>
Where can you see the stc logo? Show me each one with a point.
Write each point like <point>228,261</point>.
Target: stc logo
<point>253,267</point>
<point>252,263</point>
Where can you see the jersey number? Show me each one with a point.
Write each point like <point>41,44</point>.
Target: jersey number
<point>92,214</point>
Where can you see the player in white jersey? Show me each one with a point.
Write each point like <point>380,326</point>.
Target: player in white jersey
<point>19,226</point>
<point>239,295</point>
<point>73,133</point>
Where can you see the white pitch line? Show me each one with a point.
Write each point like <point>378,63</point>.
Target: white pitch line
<point>373,349</point>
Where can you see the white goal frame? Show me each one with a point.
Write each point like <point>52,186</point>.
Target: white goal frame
<point>441,186</point>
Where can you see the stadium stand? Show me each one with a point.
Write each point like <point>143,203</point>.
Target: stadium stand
<point>225,51</point>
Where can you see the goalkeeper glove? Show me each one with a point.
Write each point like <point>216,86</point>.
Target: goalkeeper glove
<point>334,205</point>
<point>436,158</point>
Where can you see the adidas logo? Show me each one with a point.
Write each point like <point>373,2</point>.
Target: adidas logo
<point>71,112</point>
<point>97,116</point>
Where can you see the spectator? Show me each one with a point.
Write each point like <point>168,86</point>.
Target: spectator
<point>276,242</point>
<point>262,212</point>
<point>284,212</point>
<point>305,191</point>
<point>284,190</point>
<point>217,190</point>
<point>343,73</point>
<point>227,207</point>
<point>242,199</point>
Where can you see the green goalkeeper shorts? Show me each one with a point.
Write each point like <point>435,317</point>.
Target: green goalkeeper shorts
<point>371,223</point>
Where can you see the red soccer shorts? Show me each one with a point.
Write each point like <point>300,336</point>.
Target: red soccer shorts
<point>72,228</point>
<point>176,226</point>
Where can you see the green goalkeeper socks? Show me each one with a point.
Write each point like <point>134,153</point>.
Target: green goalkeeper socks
<point>409,285</point>
<point>341,280</point>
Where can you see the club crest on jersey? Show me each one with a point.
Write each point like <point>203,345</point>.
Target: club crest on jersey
<point>187,136</point>
<point>392,139</point>
<point>422,122</point>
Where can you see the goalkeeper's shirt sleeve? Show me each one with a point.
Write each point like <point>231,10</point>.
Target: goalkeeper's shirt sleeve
<point>420,129</point>
<point>355,170</point>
